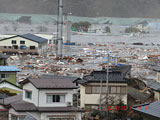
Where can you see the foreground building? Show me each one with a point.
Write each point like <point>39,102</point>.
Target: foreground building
<point>46,98</point>
<point>25,44</point>
<point>93,89</point>
<point>148,111</point>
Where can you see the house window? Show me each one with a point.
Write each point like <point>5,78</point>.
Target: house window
<point>9,47</point>
<point>14,42</point>
<point>22,42</point>
<point>32,47</point>
<point>88,90</point>
<point>7,76</point>
<point>21,117</point>
<point>28,94</point>
<point>5,47</point>
<point>14,117</point>
<point>113,89</point>
<point>55,98</point>
<point>15,46</point>
<point>123,89</point>
<point>23,47</point>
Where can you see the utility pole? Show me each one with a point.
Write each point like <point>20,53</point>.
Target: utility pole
<point>60,25</point>
<point>107,79</point>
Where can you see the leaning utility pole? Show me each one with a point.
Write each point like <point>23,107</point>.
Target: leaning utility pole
<point>60,25</point>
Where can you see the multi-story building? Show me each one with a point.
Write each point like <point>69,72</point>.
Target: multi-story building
<point>45,98</point>
<point>93,89</point>
<point>27,43</point>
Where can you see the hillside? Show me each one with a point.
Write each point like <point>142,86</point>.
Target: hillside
<point>90,8</point>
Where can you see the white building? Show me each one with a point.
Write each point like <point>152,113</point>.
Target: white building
<point>45,98</point>
<point>93,89</point>
<point>27,43</point>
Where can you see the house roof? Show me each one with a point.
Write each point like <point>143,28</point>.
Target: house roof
<point>97,76</point>
<point>23,106</point>
<point>54,82</point>
<point>5,81</point>
<point>136,95</point>
<point>29,37</point>
<point>154,85</point>
<point>2,56</point>
<point>151,109</point>
<point>34,38</point>
<point>8,69</point>
<point>9,100</point>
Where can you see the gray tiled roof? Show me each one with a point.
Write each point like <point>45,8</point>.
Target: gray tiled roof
<point>97,76</point>
<point>153,109</point>
<point>12,99</point>
<point>55,82</point>
<point>23,106</point>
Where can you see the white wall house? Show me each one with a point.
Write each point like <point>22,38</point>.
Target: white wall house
<point>46,99</point>
<point>93,89</point>
<point>27,43</point>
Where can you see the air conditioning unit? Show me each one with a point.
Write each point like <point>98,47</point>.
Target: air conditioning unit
<point>69,104</point>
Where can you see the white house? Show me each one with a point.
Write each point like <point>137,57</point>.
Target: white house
<point>27,43</point>
<point>93,89</point>
<point>45,98</point>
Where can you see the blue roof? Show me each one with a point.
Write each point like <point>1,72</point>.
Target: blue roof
<point>149,109</point>
<point>34,38</point>
<point>8,69</point>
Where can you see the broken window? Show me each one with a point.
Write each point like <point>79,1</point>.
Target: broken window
<point>32,47</point>
<point>15,46</point>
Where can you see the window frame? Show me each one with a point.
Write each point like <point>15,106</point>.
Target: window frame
<point>56,95</point>
<point>32,48</point>
<point>22,42</point>
<point>14,41</point>
<point>30,92</point>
